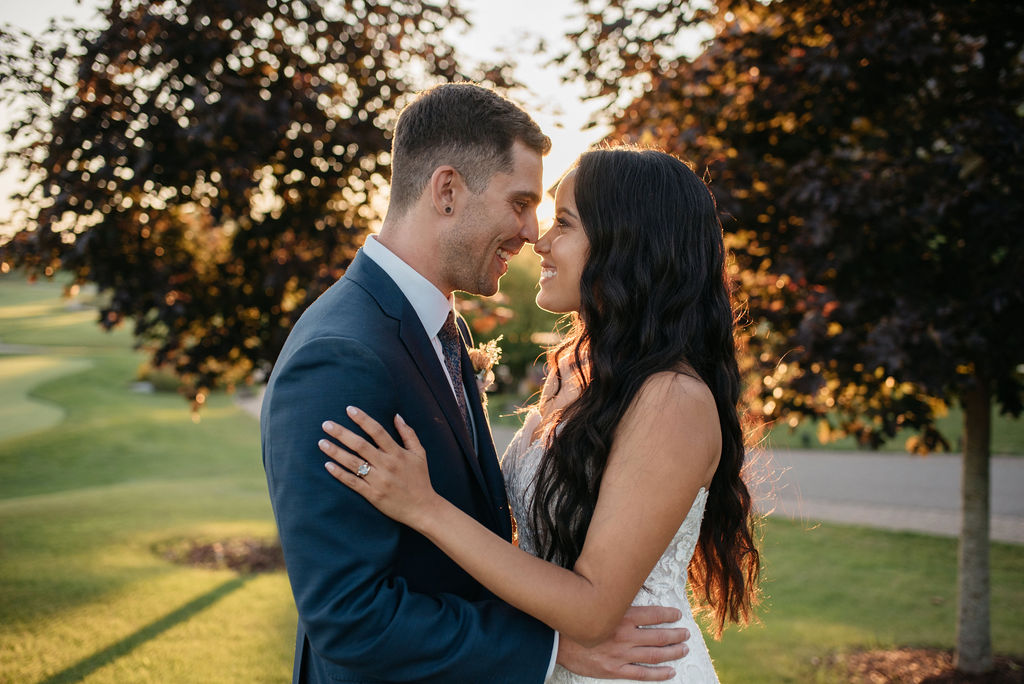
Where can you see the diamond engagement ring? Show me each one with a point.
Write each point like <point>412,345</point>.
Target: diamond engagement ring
<point>363,469</point>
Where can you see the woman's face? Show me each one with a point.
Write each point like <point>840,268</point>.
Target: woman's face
<point>563,250</point>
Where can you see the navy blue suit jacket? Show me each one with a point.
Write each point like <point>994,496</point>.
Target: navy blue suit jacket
<point>376,600</point>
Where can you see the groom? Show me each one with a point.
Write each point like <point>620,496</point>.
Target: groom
<point>376,601</point>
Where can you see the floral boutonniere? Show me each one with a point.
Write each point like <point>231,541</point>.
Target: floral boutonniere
<point>484,357</point>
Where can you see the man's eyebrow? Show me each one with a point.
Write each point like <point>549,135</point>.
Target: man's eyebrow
<point>528,195</point>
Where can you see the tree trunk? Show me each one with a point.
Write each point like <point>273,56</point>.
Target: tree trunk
<point>973,629</point>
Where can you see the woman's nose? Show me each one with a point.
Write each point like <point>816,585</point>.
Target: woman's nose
<point>542,244</point>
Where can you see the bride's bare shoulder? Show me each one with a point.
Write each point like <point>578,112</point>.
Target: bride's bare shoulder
<point>672,412</point>
<point>677,390</point>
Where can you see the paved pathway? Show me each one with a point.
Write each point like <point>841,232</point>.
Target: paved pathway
<point>889,490</point>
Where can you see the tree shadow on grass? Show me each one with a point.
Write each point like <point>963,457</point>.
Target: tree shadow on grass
<point>87,666</point>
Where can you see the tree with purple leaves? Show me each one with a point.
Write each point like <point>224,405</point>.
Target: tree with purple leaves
<point>867,158</point>
<point>212,166</point>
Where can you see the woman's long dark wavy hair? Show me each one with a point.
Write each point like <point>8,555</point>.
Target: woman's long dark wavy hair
<point>654,297</point>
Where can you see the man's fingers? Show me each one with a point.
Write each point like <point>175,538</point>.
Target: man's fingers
<point>652,615</point>
<point>660,636</point>
<point>371,427</point>
<point>658,655</point>
<point>644,673</point>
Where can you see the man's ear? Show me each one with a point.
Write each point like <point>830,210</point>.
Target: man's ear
<point>446,187</point>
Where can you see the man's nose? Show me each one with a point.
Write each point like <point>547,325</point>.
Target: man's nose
<point>531,228</point>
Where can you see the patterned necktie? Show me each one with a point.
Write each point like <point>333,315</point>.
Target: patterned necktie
<point>451,345</point>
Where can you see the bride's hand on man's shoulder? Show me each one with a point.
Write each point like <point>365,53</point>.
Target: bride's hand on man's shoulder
<point>391,476</point>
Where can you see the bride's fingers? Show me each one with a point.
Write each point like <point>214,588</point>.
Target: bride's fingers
<point>372,428</point>
<point>353,482</point>
<point>354,442</point>
<point>343,457</point>
<point>408,435</point>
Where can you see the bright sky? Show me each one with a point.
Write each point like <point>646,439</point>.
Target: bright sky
<point>511,27</point>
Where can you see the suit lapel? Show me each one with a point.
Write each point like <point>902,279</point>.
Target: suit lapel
<point>383,289</point>
<point>419,347</point>
<point>488,458</point>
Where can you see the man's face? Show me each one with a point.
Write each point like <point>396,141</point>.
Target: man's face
<point>493,226</point>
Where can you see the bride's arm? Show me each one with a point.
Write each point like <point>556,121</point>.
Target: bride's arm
<point>665,449</point>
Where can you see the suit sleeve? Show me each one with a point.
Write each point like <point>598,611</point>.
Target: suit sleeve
<point>340,551</point>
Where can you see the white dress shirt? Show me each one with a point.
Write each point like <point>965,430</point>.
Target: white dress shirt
<point>432,308</point>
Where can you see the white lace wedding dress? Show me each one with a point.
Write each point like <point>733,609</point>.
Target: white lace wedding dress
<point>665,586</point>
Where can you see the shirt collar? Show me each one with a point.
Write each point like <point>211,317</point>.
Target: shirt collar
<point>429,303</point>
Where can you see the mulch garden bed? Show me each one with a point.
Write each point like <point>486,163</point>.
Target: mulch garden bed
<point>246,555</point>
<point>926,666</point>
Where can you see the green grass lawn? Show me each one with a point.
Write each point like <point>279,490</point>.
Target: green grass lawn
<point>831,589</point>
<point>21,413</point>
<point>103,475</point>
<point>93,476</point>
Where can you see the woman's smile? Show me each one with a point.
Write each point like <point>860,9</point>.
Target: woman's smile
<point>563,252</point>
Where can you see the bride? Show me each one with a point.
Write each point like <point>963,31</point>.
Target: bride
<point>625,479</point>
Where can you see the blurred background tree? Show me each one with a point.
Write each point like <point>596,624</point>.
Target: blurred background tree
<point>213,166</point>
<point>867,159</point>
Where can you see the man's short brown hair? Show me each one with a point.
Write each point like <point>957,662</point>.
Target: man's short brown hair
<point>462,125</point>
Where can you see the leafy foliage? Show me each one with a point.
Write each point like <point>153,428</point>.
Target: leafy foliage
<point>866,156</point>
<point>213,166</point>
